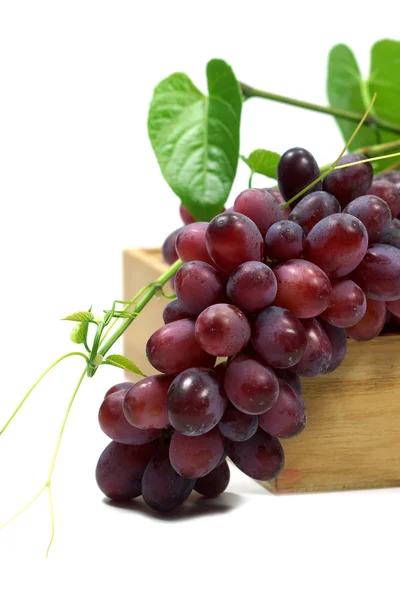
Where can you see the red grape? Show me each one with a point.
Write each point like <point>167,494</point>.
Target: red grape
<point>297,168</point>
<point>195,402</point>
<point>174,311</point>
<point>260,206</point>
<point>261,457</point>
<point>250,386</point>
<point>318,355</point>
<point>186,216</point>
<point>394,307</point>
<point>145,404</point>
<point>279,337</point>
<point>194,457</point>
<point>303,288</point>
<point>347,306</point>
<point>198,285</point>
<point>351,182</point>
<point>373,212</point>
<point>313,208</point>
<point>378,275</point>
<point>233,239</point>
<point>173,348</point>
<point>222,330</point>
<point>338,339</point>
<point>191,243</point>
<point>168,249</point>
<point>252,287</point>
<point>215,482</point>
<point>389,192</point>
<point>288,417</point>
<point>237,426</point>
<point>120,469</point>
<point>114,424</point>
<point>291,378</point>
<point>371,324</point>
<point>337,244</point>
<point>162,488</point>
<point>284,240</point>
<point>125,385</point>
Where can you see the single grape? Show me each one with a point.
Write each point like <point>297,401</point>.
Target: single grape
<point>145,404</point>
<point>378,275</point>
<point>186,216</point>
<point>313,208</point>
<point>261,457</point>
<point>252,287</point>
<point>125,385</point>
<point>318,355</point>
<point>351,182</point>
<point>174,311</point>
<point>251,386</point>
<point>114,424</point>
<point>279,198</point>
<point>392,176</point>
<point>373,212</point>
<point>297,168</point>
<point>214,483</point>
<point>338,339</point>
<point>371,324</point>
<point>260,206</point>
<point>194,457</point>
<point>288,417</point>
<point>233,239</point>
<point>222,330</point>
<point>389,192</point>
<point>173,348</point>
<point>347,306</point>
<point>120,469</point>
<point>168,248</point>
<point>337,244</point>
<point>279,337</point>
<point>237,426</point>
<point>191,243</point>
<point>303,288</point>
<point>195,401</point>
<point>291,378</point>
<point>394,307</point>
<point>162,488</point>
<point>284,240</point>
<point>198,285</point>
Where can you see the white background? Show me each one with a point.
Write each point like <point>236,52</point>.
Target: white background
<point>79,182</point>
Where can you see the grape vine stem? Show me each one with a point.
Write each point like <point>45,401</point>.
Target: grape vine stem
<point>371,121</point>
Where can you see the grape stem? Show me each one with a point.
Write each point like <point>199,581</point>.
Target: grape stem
<point>370,121</point>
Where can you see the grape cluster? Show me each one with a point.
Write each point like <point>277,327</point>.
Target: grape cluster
<point>265,296</point>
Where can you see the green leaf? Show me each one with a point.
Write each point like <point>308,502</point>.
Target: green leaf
<point>346,90</point>
<point>196,137</point>
<point>264,162</point>
<point>384,80</point>
<point>79,333</point>
<point>117,360</point>
<point>81,317</point>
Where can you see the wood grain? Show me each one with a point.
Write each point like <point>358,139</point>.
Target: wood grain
<point>352,439</point>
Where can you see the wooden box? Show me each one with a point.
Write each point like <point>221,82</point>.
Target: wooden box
<point>352,439</point>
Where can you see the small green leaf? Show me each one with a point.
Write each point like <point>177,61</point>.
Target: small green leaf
<point>81,317</point>
<point>117,360</point>
<point>79,332</point>
<point>196,137</point>
<point>264,162</point>
<point>346,90</point>
<point>384,80</point>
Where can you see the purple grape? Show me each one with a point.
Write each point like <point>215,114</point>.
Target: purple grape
<point>191,243</point>
<point>288,417</point>
<point>297,168</point>
<point>261,457</point>
<point>186,216</point>
<point>389,192</point>
<point>174,311</point>
<point>198,285</point>
<point>278,197</point>
<point>291,378</point>
<point>351,182</point>
<point>252,287</point>
<point>194,457</point>
<point>260,206</point>
<point>338,339</point>
<point>371,324</point>
<point>373,212</point>
<point>168,248</point>
<point>313,208</point>
<point>378,275</point>
<point>145,404</point>
<point>237,426</point>
<point>347,306</point>
<point>318,355</point>
<point>214,483</point>
<point>125,385</point>
<point>222,330</point>
<point>284,240</point>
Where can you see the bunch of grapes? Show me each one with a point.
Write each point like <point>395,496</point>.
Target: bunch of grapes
<point>266,294</point>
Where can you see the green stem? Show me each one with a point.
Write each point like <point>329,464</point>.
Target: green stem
<point>378,149</point>
<point>20,405</point>
<point>147,296</point>
<point>40,492</point>
<point>251,179</point>
<point>371,121</point>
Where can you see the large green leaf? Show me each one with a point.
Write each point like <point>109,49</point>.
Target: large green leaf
<point>346,90</point>
<point>196,137</point>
